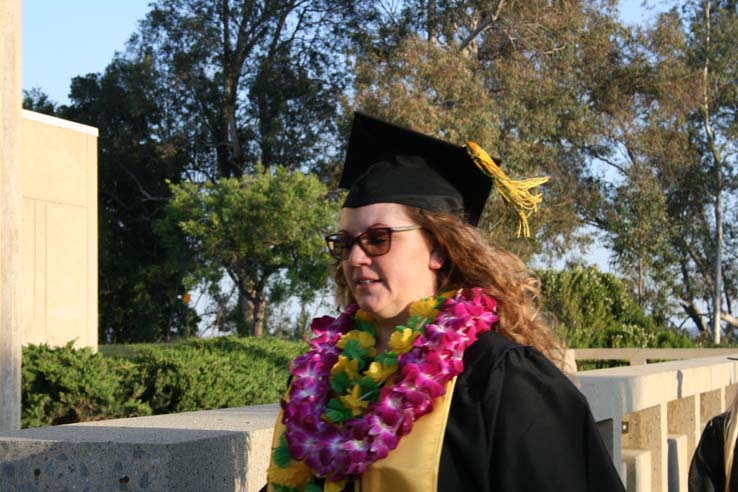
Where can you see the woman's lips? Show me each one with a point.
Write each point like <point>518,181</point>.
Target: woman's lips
<point>363,281</point>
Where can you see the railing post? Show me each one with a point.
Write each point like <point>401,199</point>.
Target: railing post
<point>683,419</point>
<point>646,431</point>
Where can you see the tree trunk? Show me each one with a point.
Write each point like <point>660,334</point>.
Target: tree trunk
<point>640,281</point>
<point>245,307</point>
<point>258,314</point>
<point>253,303</point>
<point>694,314</point>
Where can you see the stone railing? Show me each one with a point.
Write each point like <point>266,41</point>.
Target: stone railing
<point>651,416</point>
<point>638,356</point>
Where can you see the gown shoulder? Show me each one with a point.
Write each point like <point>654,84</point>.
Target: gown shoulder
<point>518,423</point>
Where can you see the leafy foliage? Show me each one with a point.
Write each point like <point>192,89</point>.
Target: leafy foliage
<point>671,151</point>
<point>66,385</point>
<point>247,82</point>
<point>594,309</point>
<point>223,372</point>
<point>635,125</point>
<point>140,275</point>
<point>514,77</point>
<point>264,230</point>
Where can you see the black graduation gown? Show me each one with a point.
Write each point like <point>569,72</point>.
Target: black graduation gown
<point>707,471</point>
<point>518,424</point>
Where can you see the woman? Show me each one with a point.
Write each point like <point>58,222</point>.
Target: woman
<point>713,467</point>
<point>439,374</point>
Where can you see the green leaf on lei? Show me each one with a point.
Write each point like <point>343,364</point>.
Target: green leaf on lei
<point>313,487</point>
<point>387,359</point>
<point>414,322</point>
<point>352,350</point>
<point>336,412</point>
<point>369,389</point>
<point>340,383</point>
<point>364,325</point>
<point>281,453</point>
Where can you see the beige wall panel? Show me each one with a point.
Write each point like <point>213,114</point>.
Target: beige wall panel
<point>92,241</point>
<point>59,160</point>
<point>34,272</point>
<point>67,285</point>
<point>39,277</point>
<point>54,163</point>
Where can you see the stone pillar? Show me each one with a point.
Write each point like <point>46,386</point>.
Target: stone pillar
<point>10,214</point>
<point>646,431</point>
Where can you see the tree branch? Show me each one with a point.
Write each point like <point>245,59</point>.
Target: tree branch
<point>484,25</point>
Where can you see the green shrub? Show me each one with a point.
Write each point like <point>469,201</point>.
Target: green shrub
<point>216,373</point>
<point>64,385</point>
<point>593,309</point>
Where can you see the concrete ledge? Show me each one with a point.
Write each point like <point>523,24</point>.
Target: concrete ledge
<point>218,450</point>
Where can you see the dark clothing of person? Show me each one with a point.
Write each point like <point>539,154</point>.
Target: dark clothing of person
<point>518,424</point>
<point>707,471</point>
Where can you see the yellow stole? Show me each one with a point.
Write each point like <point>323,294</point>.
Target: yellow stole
<point>413,465</point>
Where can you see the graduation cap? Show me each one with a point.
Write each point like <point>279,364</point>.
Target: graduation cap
<point>386,163</point>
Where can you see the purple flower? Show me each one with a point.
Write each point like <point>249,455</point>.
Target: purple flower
<point>300,443</point>
<point>385,436</point>
<point>357,450</point>
<point>311,393</point>
<point>330,455</point>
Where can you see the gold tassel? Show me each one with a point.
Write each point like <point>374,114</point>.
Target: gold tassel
<point>514,192</point>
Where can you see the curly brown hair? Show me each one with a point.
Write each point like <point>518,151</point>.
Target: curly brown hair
<point>472,261</point>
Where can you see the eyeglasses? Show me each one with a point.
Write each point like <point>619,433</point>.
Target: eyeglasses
<point>374,242</point>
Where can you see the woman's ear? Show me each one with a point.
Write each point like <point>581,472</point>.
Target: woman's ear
<point>437,257</point>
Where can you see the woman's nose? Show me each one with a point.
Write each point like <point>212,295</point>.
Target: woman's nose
<point>357,256</point>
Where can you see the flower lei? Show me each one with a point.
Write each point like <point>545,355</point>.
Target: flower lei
<point>348,407</point>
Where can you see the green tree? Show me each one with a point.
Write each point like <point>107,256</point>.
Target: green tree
<point>36,100</point>
<point>595,309</point>
<point>671,151</point>
<point>264,231</point>
<point>248,81</point>
<point>713,27</point>
<point>140,276</point>
<point>517,77</point>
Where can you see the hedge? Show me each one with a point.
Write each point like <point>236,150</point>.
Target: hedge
<point>65,385</point>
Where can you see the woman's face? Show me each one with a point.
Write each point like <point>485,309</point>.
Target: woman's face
<point>385,285</point>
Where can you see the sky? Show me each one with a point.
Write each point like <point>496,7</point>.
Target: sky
<point>63,39</point>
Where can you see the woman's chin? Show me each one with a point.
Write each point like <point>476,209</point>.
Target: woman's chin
<point>381,313</point>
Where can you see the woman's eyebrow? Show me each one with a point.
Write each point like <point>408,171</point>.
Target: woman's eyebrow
<point>373,226</point>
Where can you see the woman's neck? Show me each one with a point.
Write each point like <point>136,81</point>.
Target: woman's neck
<point>385,328</point>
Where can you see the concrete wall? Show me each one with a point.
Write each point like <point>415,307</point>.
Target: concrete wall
<point>10,214</point>
<point>59,231</point>
<point>658,413</point>
<point>215,451</point>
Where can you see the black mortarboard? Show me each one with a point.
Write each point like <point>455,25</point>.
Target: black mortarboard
<point>386,163</point>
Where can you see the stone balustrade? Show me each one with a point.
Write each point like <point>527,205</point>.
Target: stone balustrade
<point>651,416</point>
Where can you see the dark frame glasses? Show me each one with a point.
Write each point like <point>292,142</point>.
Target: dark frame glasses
<point>373,242</point>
